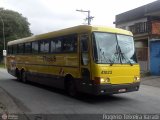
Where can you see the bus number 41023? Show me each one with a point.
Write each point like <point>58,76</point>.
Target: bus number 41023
<point>106,72</point>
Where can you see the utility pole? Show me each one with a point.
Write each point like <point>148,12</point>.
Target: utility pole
<point>89,18</point>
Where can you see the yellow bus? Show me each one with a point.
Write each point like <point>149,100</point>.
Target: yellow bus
<point>90,59</point>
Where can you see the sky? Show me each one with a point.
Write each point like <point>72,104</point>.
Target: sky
<point>50,15</point>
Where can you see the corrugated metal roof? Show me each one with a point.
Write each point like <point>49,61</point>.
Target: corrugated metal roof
<point>138,13</point>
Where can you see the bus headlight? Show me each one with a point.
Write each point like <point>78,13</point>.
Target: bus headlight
<point>105,80</point>
<point>99,80</point>
<point>136,79</point>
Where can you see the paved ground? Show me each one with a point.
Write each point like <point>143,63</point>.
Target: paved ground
<point>6,102</point>
<point>7,105</point>
<point>36,99</point>
<point>151,81</point>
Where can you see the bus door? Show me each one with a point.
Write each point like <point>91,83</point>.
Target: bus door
<point>84,59</point>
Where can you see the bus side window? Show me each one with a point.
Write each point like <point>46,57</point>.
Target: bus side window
<point>20,48</point>
<point>58,45</point>
<point>44,46</point>
<point>9,50</point>
<point>14,49</point>
<point>69,44</point>
<point>35,47</point>
<point>27,47</point>
<point>84,49</point>
<point>53,46</point>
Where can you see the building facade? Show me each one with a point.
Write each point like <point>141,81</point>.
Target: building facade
<point>144,23</point>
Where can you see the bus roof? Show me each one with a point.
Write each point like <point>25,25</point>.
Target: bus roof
<point>72,30</point>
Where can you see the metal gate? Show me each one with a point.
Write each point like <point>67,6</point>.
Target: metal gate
<point>155,57</point>
<point>142,57</point>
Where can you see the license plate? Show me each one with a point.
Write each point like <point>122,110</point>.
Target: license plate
<point>122,90</point>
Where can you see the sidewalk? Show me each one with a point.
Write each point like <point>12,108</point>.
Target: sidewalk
<point>151,81</point>
<point>9,109</point>
<point>7,104</point>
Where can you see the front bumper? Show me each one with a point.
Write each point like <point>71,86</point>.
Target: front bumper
<point>109,89</point>
<point>115,89</point>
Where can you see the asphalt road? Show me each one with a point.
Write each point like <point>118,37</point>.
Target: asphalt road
<point>34,98</point>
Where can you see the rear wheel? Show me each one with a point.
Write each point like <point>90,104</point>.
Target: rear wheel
<point>18,75</point>
<point>24,77</point>
<point>71,88</point>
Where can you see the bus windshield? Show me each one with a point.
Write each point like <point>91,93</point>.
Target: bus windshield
<point>111,48</point>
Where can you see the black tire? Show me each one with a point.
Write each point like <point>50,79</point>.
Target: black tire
<point>18,75</point>
<point>71,88</point>
<point>23,77</point>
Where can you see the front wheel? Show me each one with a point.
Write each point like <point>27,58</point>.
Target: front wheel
<point>18,75</point>
<point>71,88</point>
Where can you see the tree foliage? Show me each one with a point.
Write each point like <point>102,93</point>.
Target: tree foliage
<point>15,26</point>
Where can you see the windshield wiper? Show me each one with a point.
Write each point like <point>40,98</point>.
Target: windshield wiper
<point>127,59</point>
<point>121,55</point>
